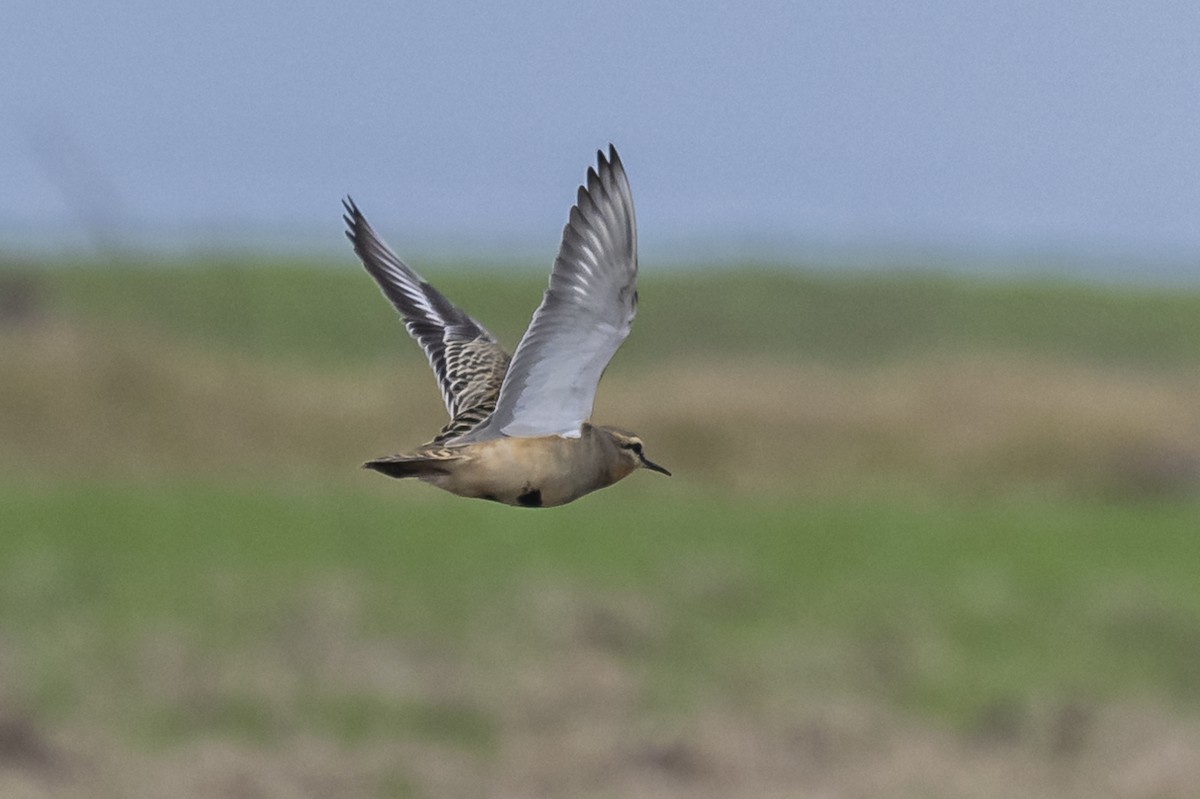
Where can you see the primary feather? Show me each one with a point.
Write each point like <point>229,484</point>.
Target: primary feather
<point>585,314</point>
<point>466,359</point>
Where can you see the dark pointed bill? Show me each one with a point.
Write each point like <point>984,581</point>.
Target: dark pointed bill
<point>654,467</point>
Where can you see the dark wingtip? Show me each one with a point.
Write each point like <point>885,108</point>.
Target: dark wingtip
<point>353,219</point>
<point>613,158</point>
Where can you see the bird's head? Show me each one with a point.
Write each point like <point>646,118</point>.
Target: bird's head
<point>632,452</point>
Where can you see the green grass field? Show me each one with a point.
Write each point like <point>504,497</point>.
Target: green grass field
<point>329,313</point>
<point>950,548</point>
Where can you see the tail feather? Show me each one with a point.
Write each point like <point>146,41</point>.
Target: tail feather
<point>400,466</point>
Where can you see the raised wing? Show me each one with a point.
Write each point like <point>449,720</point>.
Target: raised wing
<point>467,361</point>
<point>585,315</point>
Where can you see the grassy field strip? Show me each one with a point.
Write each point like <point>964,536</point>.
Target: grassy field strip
<point>625,632</point>
<point>83,400</point>
<point>979,576</point>
<point>333,314</point>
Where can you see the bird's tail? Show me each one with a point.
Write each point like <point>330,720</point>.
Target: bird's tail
<point>400,466</point>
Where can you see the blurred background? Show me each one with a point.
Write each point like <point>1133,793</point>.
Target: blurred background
<point>918,336</point>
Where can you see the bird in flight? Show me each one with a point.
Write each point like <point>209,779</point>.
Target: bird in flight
<point>519,430</point>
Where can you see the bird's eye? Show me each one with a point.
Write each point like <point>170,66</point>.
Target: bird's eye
<point>636,446</point>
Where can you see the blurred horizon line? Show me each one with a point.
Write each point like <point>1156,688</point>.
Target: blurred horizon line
<point>989,256</point>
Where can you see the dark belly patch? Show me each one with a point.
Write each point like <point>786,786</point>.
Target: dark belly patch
<point>532,498</point>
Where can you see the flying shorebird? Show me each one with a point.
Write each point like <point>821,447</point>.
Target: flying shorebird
<point>519,430</point>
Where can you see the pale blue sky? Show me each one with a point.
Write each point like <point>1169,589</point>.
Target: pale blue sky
<point>1069,126</point>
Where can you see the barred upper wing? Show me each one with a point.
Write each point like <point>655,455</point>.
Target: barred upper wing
<point>585,314</point>
<point>467,361</point>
